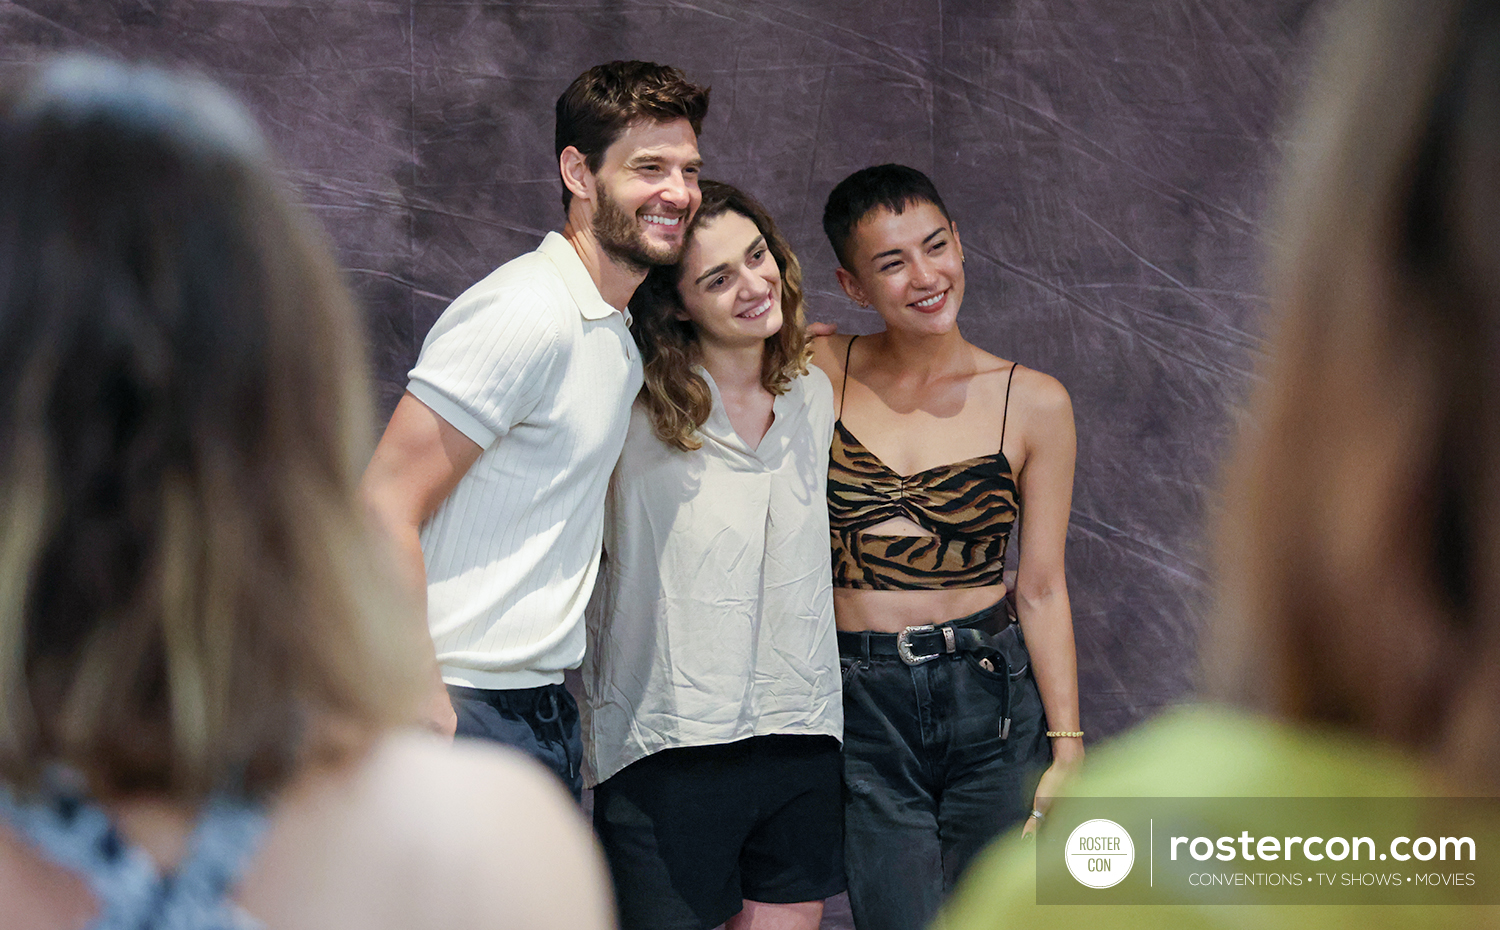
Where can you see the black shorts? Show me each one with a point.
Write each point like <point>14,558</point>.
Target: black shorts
<point>690,833</point>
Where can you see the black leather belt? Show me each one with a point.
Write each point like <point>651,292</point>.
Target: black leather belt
<point>918,645</point>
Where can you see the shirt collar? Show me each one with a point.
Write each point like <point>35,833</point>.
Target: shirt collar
<point>580,285</point>
<point>784,410</point>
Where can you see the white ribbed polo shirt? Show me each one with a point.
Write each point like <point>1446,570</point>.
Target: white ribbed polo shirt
<point>536,368</point>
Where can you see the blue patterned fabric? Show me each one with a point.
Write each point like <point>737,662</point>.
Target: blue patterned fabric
<point>131,892</point>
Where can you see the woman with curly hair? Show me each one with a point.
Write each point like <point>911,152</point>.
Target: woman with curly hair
<point>712,715</point>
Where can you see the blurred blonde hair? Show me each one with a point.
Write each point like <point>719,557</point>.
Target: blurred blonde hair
<point>189,597</point>
<point>1358,545</point>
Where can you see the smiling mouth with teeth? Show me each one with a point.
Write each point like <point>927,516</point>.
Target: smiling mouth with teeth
<point>670,222</point>
<point>757,310</point>
<point>929,302</point>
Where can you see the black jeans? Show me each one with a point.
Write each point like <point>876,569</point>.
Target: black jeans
<point>928,781</point>
<point>541,722</point>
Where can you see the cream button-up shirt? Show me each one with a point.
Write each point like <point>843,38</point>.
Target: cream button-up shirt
<point>713,617</point>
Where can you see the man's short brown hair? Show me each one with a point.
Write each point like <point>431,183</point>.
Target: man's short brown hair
<point>604,100</point>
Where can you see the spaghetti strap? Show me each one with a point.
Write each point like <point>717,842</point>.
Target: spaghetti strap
<point>130,890</point>
<point>849,349</point>
<point>1004,416</point>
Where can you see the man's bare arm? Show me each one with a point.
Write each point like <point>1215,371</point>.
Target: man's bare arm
<point>417,464</point>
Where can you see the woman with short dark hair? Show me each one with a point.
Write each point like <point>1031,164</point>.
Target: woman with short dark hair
<point>961,712</point>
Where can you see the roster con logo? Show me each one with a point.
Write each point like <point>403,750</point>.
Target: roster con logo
<point>1099,853</point>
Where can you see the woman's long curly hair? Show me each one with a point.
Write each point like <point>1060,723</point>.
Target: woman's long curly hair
<point>675,394</point>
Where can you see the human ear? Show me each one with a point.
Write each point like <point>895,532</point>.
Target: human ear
<point>850,284</point>
<point>576,176</point>
<point>953,227</point>
<point>679,307</point>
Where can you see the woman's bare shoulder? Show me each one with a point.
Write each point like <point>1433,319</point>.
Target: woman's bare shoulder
<point>1016,387</point>
<point>1039,392</point>
<point>835,342</point>
<point>1041,417</point>
<point>441,780</point>
<point>441,834</point>
<point>829,352</point>
<point>489,812</point>
<point>38,893</point>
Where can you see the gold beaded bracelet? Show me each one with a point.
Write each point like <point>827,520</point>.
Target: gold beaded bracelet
<point>1057,733</point>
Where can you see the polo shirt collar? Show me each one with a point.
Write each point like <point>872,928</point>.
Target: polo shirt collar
<point>576,278</point>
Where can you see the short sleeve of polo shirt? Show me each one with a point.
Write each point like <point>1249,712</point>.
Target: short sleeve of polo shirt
<point>485,364</point>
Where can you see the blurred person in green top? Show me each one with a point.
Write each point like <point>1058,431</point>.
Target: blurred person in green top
<point>1357,633</point>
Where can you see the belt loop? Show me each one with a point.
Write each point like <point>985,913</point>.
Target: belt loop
<point>549,697</point>
<point>864,649</point>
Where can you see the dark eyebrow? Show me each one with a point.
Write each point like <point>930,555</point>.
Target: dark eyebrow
<point>722,266</point>
<point>642,158</point>
<point>889,252</point>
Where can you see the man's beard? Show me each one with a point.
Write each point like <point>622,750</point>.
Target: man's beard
<point>620,235</point>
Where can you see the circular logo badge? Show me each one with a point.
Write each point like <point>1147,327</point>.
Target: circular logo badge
<point>1099,853</point>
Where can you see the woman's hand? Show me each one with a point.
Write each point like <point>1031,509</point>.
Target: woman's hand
<point>1067,758</point>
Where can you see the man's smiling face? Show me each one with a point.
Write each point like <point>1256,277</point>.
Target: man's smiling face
<point>647,191</point>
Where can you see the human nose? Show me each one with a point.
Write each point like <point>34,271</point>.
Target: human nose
<point>753,286</point>
<point>676,192</point>
<point>922,273</point>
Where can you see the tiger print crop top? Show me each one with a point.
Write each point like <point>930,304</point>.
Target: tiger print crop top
<point>970,505</point>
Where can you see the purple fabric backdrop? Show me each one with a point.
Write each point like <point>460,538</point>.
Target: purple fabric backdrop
<point>1106,161</point>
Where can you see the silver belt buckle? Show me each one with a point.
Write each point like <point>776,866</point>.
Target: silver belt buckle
<point>903,644</point>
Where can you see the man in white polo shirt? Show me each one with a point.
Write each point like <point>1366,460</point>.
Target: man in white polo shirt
<point>493,469</point>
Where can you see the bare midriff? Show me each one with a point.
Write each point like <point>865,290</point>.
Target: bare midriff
<point>860,609</point>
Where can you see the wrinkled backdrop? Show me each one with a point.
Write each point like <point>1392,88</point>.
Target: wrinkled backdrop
<point>1107,162</point>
